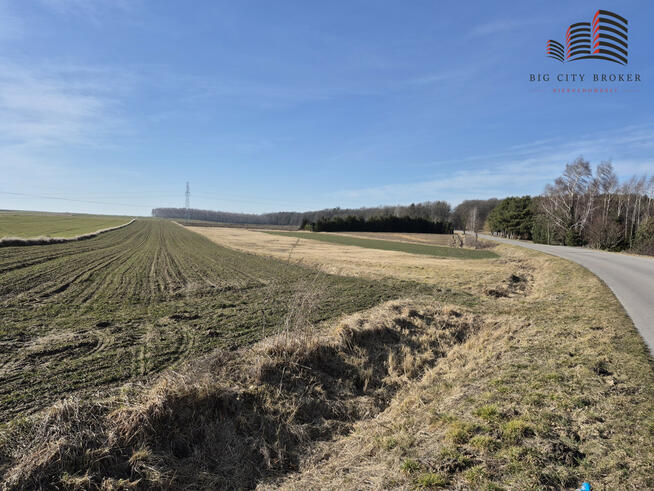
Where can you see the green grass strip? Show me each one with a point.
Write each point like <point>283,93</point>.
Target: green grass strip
<point>387,245</point>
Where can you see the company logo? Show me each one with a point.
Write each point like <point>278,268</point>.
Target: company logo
<point>605,38</point>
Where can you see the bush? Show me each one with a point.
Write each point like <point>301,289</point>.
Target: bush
<point>644,242</point>
<point>573,238</point>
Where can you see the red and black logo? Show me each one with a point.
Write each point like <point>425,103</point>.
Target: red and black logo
<point>605,38</point>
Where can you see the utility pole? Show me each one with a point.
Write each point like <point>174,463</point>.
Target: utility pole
<point>188,203</point>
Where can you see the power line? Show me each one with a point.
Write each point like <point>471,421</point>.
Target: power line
<point>225,199</point>
<point>74,200</point>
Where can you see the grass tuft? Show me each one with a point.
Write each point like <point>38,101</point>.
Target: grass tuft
<point>515,430</point>
<point>431,480</point>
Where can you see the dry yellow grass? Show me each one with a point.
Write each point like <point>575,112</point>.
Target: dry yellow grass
<point>558,390</point>
<point>433,239</point>
<point>471,276</point>
<point>239,417</point>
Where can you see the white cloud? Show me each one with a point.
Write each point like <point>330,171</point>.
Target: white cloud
<point>91,10</point>
<point>521,169</point>
<point>500,26</point>
<point>50,105</point>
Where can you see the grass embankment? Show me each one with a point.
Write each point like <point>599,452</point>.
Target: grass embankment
<point>131,302</point>
<point>28,225</point>
<point>556,389</point>
<point>234,419</point>
<point>388,245</point>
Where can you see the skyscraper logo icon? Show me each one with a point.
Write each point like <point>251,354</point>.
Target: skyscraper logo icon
<point>605,38</point>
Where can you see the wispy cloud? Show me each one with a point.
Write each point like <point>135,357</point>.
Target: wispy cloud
<point>521,169</point>
<point>499,26</point>
<point>49,105</point>
<point>91,10</point>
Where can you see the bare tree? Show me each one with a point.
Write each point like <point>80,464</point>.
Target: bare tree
<point>608,186</point>
<point>473,223</point>
<point>570,201</point>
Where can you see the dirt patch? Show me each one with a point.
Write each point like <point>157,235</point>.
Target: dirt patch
<point>518,283</point>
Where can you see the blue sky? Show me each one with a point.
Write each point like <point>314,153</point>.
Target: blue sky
<point>297,105</point>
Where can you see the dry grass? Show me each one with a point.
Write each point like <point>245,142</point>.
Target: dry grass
<point>473,277</point>
<point>559,390</point>
<point>431,239</point>
<point>236,418</point>
<point>417,248</point>
<point>535,379</point>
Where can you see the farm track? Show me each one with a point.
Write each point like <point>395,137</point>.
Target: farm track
<point>86,315</point>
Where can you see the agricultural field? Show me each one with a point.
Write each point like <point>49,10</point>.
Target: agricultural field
<point>35,224</point>
<point>306,364</point>
<point>411,247</point>
<point>208,223</point>
<point>431,239</point>
<point>131,302</point>
<point>445,273</point>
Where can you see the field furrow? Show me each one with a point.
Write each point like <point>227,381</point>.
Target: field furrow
<point>129,303</point>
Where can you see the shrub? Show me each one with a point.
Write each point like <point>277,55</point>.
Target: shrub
<point>644,242</point>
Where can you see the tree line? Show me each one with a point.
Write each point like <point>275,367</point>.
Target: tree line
<point>583,207</point>
<point>437,211</point>
<point>429,210</point>
<point>387,223</point>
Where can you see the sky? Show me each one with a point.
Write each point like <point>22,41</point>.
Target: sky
<point>111,106</point>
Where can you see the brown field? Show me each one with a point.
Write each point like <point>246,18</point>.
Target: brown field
<point>470,276</point>
<point>433,239</point>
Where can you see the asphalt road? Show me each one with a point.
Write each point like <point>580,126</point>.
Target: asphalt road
<point>630,277</point>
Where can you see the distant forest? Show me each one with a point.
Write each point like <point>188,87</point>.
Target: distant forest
<point>582,207</point>
<point>379,224</point>
<point>436,211</point>
<point>430,210</point>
